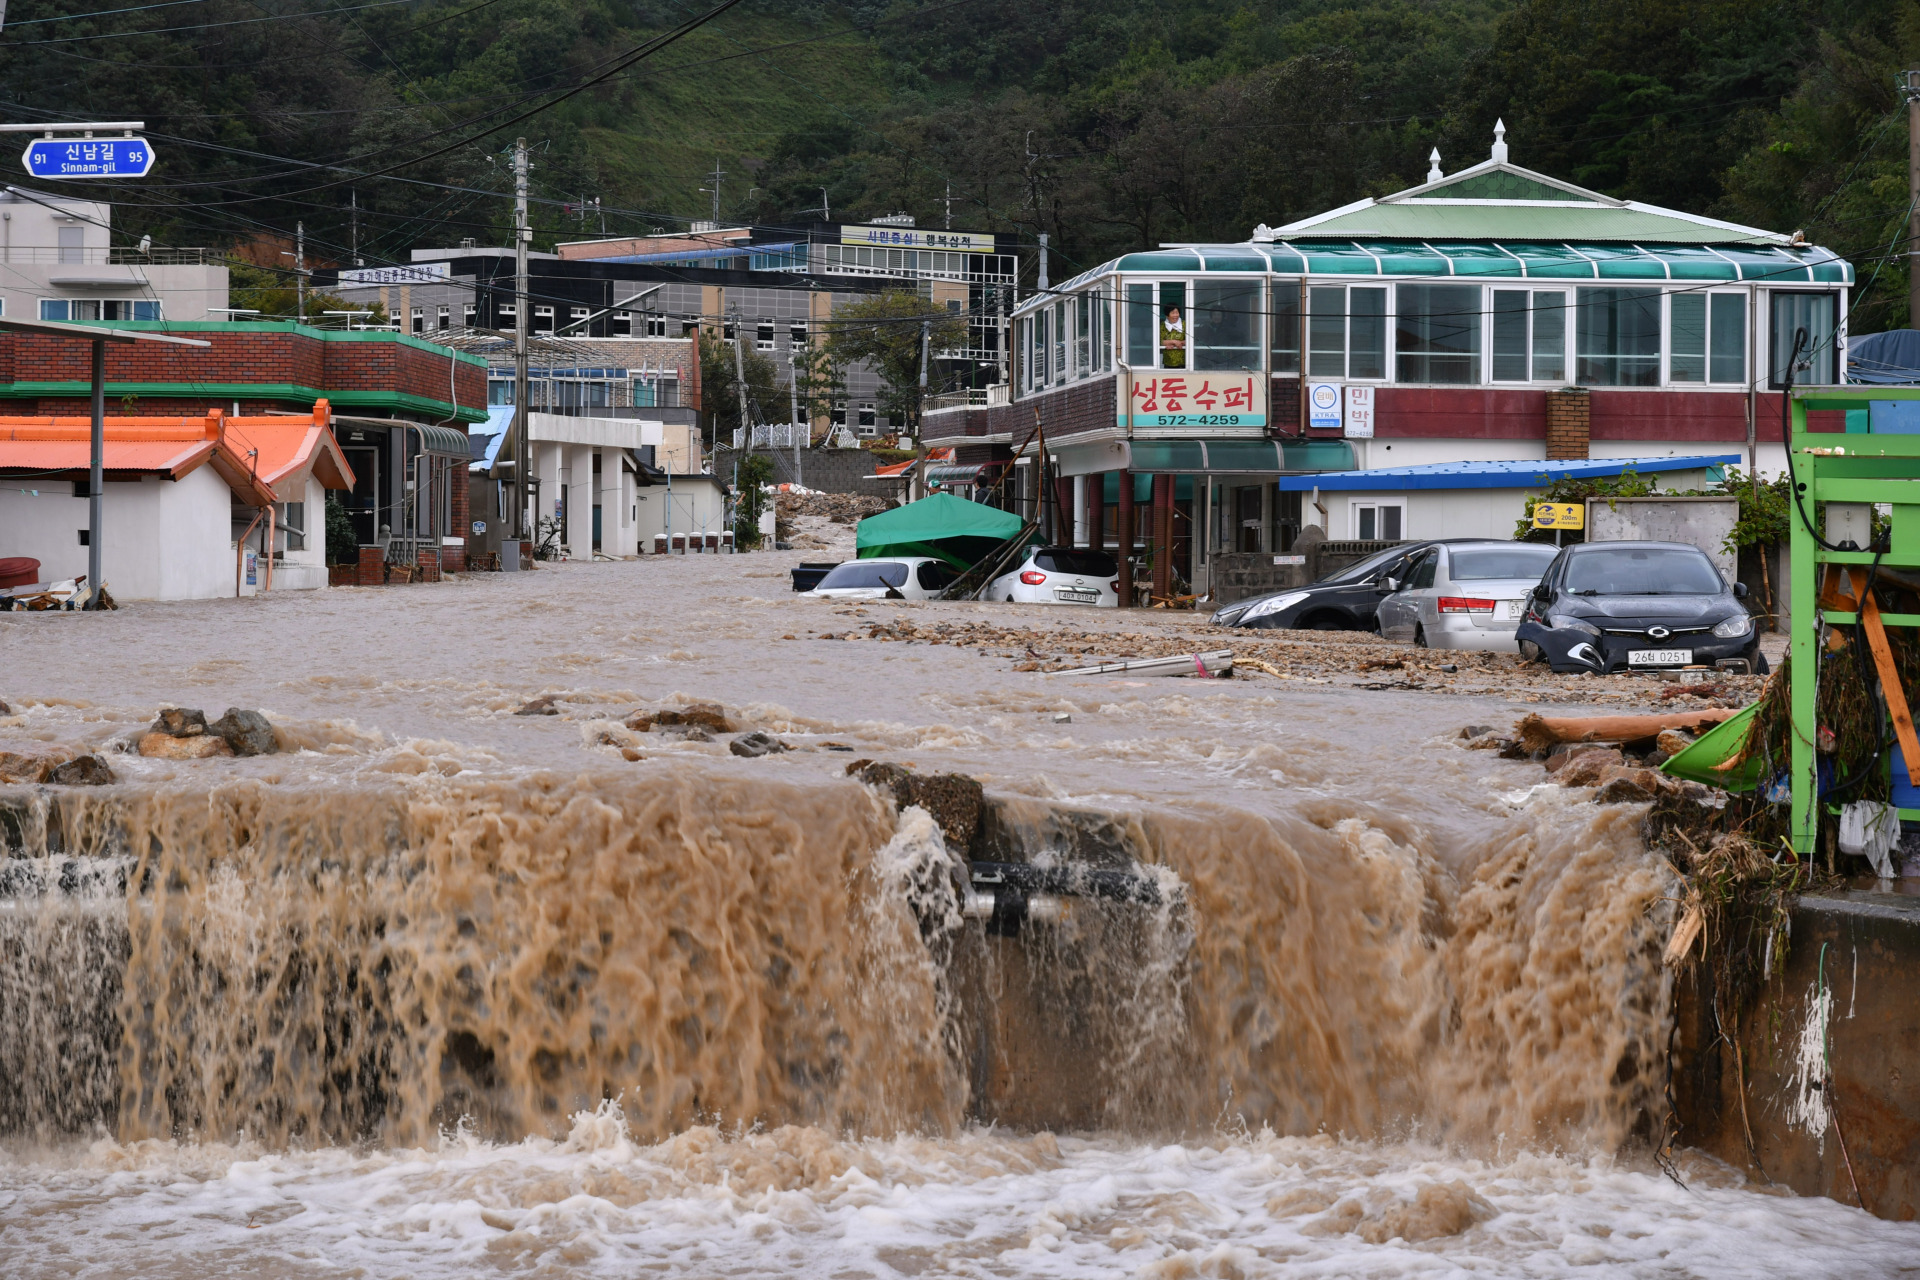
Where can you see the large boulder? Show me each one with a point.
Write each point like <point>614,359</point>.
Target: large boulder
<point>952,799</point>
<point>180,722</point>
<point>247,732</point>
<point>84,771</point>
<point>164,746</point>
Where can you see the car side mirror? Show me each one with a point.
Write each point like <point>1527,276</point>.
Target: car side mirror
<point>1388,586</point>
<point>1740,590</point>
<point>1542,592</point>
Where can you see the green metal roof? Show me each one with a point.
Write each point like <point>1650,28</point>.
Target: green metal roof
<point>1532,260</point>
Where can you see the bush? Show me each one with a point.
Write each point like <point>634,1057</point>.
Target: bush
<point>343,545</point>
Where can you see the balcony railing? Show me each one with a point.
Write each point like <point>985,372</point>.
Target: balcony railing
<point>118,255</point>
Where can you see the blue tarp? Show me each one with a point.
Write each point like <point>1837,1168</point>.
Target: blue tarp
<point>1506,474</point>
<point>1890,359</point>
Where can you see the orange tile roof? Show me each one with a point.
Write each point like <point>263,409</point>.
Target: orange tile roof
<point>252,454</point>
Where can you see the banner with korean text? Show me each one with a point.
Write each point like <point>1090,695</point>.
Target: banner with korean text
<point>1191,399</point>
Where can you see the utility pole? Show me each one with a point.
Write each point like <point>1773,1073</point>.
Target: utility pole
<point>793,394</point>
<point>1042,286</point>
<point>300,270</point>
<point>949,206</point>
<point>920,415</point>
<point>714,190</point>
<point>522,454</point>
<point>355,224</point>
<point>1911,87</point>
<point>740,383</point>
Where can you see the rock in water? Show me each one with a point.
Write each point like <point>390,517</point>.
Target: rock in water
<point>167,747</point>
<point>180,722</point>
<point>86,771</point>
<point>542,706</point>
<point>704,715</point>
<point>756,744</point>
<point>247,732</point>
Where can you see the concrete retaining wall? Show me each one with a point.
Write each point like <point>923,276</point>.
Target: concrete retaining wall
<point>828,470</point>
<point>1862,950</point>
<point>1240,575</point>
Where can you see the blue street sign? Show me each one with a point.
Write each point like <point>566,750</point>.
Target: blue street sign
<point>88,158</point>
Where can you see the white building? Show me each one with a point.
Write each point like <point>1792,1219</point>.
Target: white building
<point>184,501</point>
<point>58,262</point>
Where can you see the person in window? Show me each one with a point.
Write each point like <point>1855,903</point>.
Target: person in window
<point>1173,340</point>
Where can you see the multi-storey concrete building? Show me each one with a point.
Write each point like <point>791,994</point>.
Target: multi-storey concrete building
<point>58,262</point>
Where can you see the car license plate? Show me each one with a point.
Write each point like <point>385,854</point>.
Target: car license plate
<point>1659,657</point>
<point>1513,608</point>
<point>1077,597</point>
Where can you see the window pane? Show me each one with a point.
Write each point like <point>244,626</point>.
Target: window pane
<point>1286,326</point>
<point>1140,326</point>
<point>1439,333</point>
<point>1082,335</point>
<point>1549,335</point>
<point>1617,338</point>
<point>1226,324</point>
<point>1327,333</point>
<point>1390,531</point>
<point>53,308</point>
<point>1729,337</point>
<point>1814,313</point>
<point>1040,347</point>
<point>1369,523</point>
<point>1367,333</point>
<point>1059,365</point>
<point>1689,337</point>
<point>1509,335</point>
<point>1173,326</point>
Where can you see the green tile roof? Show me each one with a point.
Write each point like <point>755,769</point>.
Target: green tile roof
<point>1492,221</point>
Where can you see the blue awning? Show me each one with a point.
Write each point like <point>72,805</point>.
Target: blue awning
<point>1511,474</point>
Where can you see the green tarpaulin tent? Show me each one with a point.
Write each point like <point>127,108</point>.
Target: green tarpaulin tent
<point>949,528</point>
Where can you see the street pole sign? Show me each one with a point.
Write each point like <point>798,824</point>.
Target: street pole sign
<point>127,157</point>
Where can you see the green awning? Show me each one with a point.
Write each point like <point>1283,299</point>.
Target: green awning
<point>943,526</point>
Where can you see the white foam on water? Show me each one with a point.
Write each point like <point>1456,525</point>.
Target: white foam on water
<point>798,1202</point>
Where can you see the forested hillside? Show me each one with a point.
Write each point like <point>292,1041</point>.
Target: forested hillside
<point>1109,124</point>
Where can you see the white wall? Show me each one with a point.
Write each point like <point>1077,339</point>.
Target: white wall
<point>694,505</point>
<point>160,539</point>
<point>1447,513</point>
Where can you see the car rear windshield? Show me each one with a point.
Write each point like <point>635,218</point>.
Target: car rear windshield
<point>1642,571</point>
<point>1091,564</point>
<point>1483,563</point>
<point>866,573</point>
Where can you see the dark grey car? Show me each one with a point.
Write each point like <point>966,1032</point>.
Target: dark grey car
<point>1345,600</point>
<point>1612,606</point>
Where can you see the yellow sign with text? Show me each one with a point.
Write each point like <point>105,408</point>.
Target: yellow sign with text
<point>1559,515</point>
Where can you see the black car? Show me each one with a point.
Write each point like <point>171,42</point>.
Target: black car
<point>1345,600</point>
<point>1611,606</point>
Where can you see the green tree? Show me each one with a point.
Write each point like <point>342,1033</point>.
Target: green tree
<point>720,409</point>
<point>273,295</point>
<point>821,381</point>
<point>885,330</point>
<point>343,545</point>
<point>754,473</point>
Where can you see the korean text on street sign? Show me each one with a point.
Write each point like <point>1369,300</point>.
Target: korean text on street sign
<point>1183,399</point>
<point>88,158</point>
<point>1323,405</point>
<point>1559,515</point>
<point>1360,413</point>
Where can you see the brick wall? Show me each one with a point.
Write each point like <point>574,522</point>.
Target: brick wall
<point>1568,423</point>
<point>454,559</point>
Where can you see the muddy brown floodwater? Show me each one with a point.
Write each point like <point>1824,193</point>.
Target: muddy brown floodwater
<point>442,989</point>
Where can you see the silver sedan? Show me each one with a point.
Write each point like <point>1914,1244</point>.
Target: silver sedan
<point>1464,595</point>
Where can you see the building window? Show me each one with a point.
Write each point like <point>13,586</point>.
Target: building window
<point>1058,332</point>
<point>797,333</point>
<point>621,325</point>
<point>1286,326</point>
<point>470,315</point>
<point>1437,333</point>
<point>763,336</point>
<point>1378,521</point>
<point>543,319</point>
<point>1347,332</point>
<point>727,331</point>
<point>656,326</point>
<point>99,309</point>
<point>1174,328</point>
<point>1529,337</point>
<point>643,394</point>
<point>838,414</point>
<point>1617,338</point>
<point>1140,326</point>
<point>688,328</point>
<point>507,314</point>
<point>499,390</point>
<point>1082,336</point>
<point>667,392</point>
<point>1792,312</point>
<point>1706,337</point>
<point>867,423</point>
<point>444,319</point>
<point>293,519</point>
<point>1226,324</point>
<point>419,319</point>
<point>73,242</point>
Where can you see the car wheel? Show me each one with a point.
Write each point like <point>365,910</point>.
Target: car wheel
<point>1420,637</point>
<point>1325,620</point>
<point>1531,652</point>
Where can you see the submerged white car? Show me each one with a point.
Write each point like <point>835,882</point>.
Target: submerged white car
<point>1464,595</point>
<point>891,578</point>
<point>1061,575</point>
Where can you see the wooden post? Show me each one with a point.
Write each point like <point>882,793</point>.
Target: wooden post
<point>1163,536</point>
<point>1063,534</point>
<point>1123,542</point>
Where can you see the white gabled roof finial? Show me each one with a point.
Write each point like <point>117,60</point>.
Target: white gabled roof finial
<point>1434,174</point>
<point>1500,141</point>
